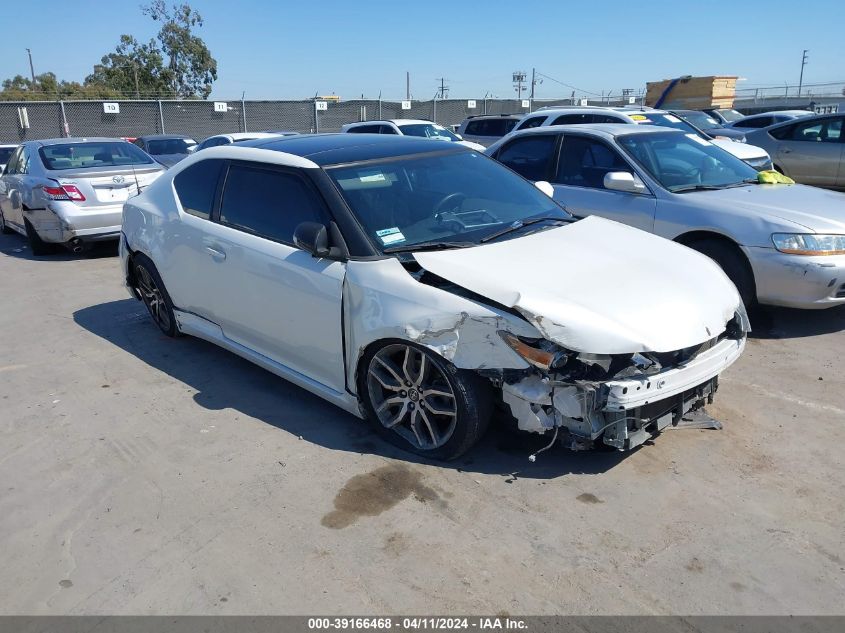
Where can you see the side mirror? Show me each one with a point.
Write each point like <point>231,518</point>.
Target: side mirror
<point>460,138</point>
<point>623,181</point>
<point>313,238</point>
<point>192,148</point>
<point>545,187</point>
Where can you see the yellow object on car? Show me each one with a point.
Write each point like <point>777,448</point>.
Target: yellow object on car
<point>772,177</point>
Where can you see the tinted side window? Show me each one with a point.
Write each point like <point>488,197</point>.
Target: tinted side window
<point>268,202</point>
<point>584,162</point>
<point>386,129</point>
<point>197,185</point>
<point>535,121</point>
<point>762,121</point>
<point>825,131</point>
<point>364,129</point>
<point>573,119</point>
<point>12,165</point>
<point>529,156</point>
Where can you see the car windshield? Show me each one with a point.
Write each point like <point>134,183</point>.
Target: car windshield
<point>428,130</point>
<point>685,162</point>
<point>169,146</point>
<point>5,152</point>
<point>94,154</point>
<point>701,120</point>
<point>454,198</point>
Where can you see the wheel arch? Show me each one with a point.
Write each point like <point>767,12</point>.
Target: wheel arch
<point>691,237</point>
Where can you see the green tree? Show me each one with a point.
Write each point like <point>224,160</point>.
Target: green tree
<point>47,88</point>
<point>132,70</point>
<point>190,67</point>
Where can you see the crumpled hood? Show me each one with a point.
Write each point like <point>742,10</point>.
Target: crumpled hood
<point>816,209</point>
<point>598,286</point>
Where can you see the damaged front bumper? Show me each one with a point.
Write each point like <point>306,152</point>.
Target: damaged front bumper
<point>622,413</point>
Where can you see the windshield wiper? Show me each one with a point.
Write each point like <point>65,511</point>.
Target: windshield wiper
<point>426,246</point>
<point>515,226</point>
<point>686,188</point>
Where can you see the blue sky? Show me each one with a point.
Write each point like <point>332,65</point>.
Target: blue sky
<point>295,49</point>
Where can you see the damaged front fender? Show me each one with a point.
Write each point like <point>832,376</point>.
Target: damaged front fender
<point>383,301</point>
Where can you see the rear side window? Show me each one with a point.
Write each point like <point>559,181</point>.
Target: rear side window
<point>573,119</point>
<point>818,131</point>
<point>529,156</point>
<point>535,121</point>
<point>12,166</point>
<point>490,127</point>
<point>196,187</point>
<point>268,202</point>
<point>386,129</point>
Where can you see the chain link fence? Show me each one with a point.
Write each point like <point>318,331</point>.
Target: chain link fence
<point>20,121</point>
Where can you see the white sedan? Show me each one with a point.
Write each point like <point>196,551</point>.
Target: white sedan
<point>410,127</point>
<point>422,286</point>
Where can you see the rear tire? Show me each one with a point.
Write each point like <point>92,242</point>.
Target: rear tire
<point>422,403</point>
<point>36,244</point>
<point>154,296</point>
<point>733,263</point>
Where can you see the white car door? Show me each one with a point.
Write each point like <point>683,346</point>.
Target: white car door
<point>578,182</point>
<point>262,291</point>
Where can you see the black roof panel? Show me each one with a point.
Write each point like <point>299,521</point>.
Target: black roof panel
<point>333,149</point>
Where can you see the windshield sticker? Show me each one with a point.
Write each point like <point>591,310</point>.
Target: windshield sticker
<point>697,139</point>
<point>672,118</point>
<point>638,117</point>
<point>390,236</point>
<point>377,177</point>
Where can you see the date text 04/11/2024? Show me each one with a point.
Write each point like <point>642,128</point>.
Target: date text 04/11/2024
<point>417,623</point>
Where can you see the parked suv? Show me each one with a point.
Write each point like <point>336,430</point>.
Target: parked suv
<point>70,191</point>
<point>754,156</point>
<point>409,127</point>
<point>486,129</point>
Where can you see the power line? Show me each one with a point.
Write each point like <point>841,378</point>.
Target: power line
<point>557,81</point>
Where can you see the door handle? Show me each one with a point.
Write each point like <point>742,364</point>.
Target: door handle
<point>215,254</point>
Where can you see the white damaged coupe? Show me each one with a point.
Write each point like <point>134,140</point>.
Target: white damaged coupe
<point>424,287</point>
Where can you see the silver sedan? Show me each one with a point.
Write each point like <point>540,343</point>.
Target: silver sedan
<point>70,191</point>
<point>779,244</point>
<point>809,150</point>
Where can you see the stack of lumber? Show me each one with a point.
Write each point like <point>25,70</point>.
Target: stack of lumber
<point>694,93</point>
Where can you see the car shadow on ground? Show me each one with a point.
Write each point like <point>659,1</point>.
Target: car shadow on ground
<point>784,323</point>
<point>223,380</point>
<point>16,245</point>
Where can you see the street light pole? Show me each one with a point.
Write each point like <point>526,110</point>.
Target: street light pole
<point>31,68</point>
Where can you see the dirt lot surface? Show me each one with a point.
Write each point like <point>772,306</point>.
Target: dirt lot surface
<point>141,474</point>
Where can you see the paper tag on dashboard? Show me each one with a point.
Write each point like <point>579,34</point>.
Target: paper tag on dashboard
<point>390,236</point>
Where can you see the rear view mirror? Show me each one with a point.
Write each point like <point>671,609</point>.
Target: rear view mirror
<point>545,187</point>
<point>313,238</point>
<point>623,181</point>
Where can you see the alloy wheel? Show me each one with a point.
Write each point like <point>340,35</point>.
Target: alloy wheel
<point>412,396</point>
<point>153,298</point>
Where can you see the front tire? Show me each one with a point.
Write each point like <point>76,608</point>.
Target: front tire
<point>422,403</point>
<point>153,294</point>
<point>734,264</point>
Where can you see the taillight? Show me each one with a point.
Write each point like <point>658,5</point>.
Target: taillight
<point>64,192</point>
<point>73,193</point>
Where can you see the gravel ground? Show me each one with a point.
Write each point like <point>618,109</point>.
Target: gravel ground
<point>143,475</point>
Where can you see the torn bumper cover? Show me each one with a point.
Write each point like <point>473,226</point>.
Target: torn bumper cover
<point>622,412</point>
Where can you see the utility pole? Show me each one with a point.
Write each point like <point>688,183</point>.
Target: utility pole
<point>137,90</point>
<point>533,81</point>
<point>407,85</point>
<point>443,91</point>
<point>803,63</point>
<point>519,77</point>
<point>31,68</point>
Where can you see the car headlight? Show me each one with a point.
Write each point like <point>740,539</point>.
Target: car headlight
<point>809,244</point>
<point>540,353</point>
